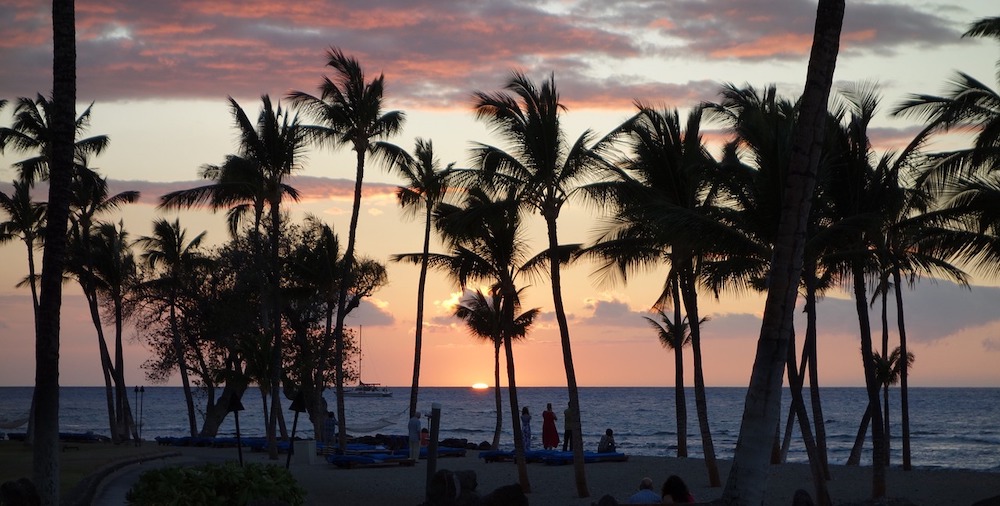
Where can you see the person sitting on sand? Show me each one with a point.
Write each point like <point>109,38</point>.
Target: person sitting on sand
<point>676,491</point>
<point>646,494</point>
<point>607,444</point>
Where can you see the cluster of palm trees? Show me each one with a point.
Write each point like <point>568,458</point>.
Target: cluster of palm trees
<point>875,222</point>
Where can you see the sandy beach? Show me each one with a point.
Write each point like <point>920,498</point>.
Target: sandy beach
<point>554,485</point>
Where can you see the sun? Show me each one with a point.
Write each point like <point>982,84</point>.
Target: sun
<point>480,386</point>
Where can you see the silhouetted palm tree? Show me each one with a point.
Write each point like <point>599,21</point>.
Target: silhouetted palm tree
<point>25,221</point>
<point>32,131</point>
<point>172,256</point>
<point>483,315</point>
<point>673,335</point>
<point>426,187</point>
<point>45,462</point>
<point>349,112</point>
<point>545,170</point>
<point>762,409</point>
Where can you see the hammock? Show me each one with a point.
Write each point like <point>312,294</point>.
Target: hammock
<point>375,425</point>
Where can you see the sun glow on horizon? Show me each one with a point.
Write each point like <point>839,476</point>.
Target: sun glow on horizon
<point>480,386</point>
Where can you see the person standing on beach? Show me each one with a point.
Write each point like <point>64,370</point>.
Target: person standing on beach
<point>568,430</point>
<point>414,436</point>
<point>550,434</point>
<point>330,428</point>
<point>526,427</point>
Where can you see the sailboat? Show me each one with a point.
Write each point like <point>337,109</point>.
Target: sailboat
<point>363,389</point>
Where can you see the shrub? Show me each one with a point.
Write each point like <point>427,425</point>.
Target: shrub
<point>222,484</point>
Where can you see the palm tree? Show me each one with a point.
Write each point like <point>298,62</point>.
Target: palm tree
<point>32,131</point>
<point>545,170</point>
<point>673,335</point>
<point>26,221</point>
<point>746,483</point>
<point>45,464</point>
<point>91,199</point>
<point>349,111</point>
<point>487,242</point>
<point>116,276</point>
<point>169,251</point>
<point>483,315</point>
<point>666,211</point>
<point>426,187</point>
<point>888,369</point>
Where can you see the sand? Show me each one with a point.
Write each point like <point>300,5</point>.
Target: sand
<point>555,485</point>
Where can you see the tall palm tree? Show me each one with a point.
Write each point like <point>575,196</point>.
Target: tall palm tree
<point>747,477</point>
<point>349,112</point>
<point>32,131</point>
<point>45,464</point>
<point>25,221</point>
<point>426,187</point>
<point>116,276</point>
<point>666,211</point>
<point>168,251</point>
<point>888,368</point>
<point>545,169</point>
<point>483,315</point>
<point>673,335</point>
<point>91,198</point>
<point>487,244</point>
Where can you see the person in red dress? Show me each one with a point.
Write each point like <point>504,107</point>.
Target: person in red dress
<point>550,435</point>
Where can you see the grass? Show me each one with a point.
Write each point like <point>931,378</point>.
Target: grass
<point>76,462</point>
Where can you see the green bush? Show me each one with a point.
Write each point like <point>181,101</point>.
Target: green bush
<point>223,484</point>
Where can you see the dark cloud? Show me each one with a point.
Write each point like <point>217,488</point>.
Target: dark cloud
<point>432,53</point>
<point>369,314</point>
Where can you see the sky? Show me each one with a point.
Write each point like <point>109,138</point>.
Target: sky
<point>158,75</point>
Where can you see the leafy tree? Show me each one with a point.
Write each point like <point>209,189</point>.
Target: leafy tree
<point>349,112</point>
<point>673,335</point>
<point>426,185</point>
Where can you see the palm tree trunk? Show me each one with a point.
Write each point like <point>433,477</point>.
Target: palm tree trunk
<point>496,393</point>
<point>579,470</point>
<point>680,401</point>
<point>45,461</point>
<point>871,382</point>
<point>125,420</point>
<point>277,350</point>
<point>790,421</point>
<point>748,473</point>
<point>904,399</point>
<point>519,458</point>
<point>859,441</point>
<point>690,296</point>
<point>885,354</point>
<point>106,365</point>
<point>812,356</point>
<point>182,366</point>
<point>418,335</point>
<point>342,296</point>
<point>795,381</point>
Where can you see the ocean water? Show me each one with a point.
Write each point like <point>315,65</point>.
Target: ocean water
<point>955,428</point>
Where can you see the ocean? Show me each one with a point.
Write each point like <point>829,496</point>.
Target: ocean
<point>955,428</point>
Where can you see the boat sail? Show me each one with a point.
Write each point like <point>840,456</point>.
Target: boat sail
<point>363,389</point>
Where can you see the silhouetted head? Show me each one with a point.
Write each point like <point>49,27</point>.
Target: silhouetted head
<point>609,432</point>
<point>646,484</point>
<point>676,489</point>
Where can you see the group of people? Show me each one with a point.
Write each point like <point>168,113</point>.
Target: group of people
<point>550,435</point>
<point>674,490</point>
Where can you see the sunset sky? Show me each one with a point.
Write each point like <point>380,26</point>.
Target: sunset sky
<point>159,73</point>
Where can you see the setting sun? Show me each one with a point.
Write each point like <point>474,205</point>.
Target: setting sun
<point>480,386</point>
